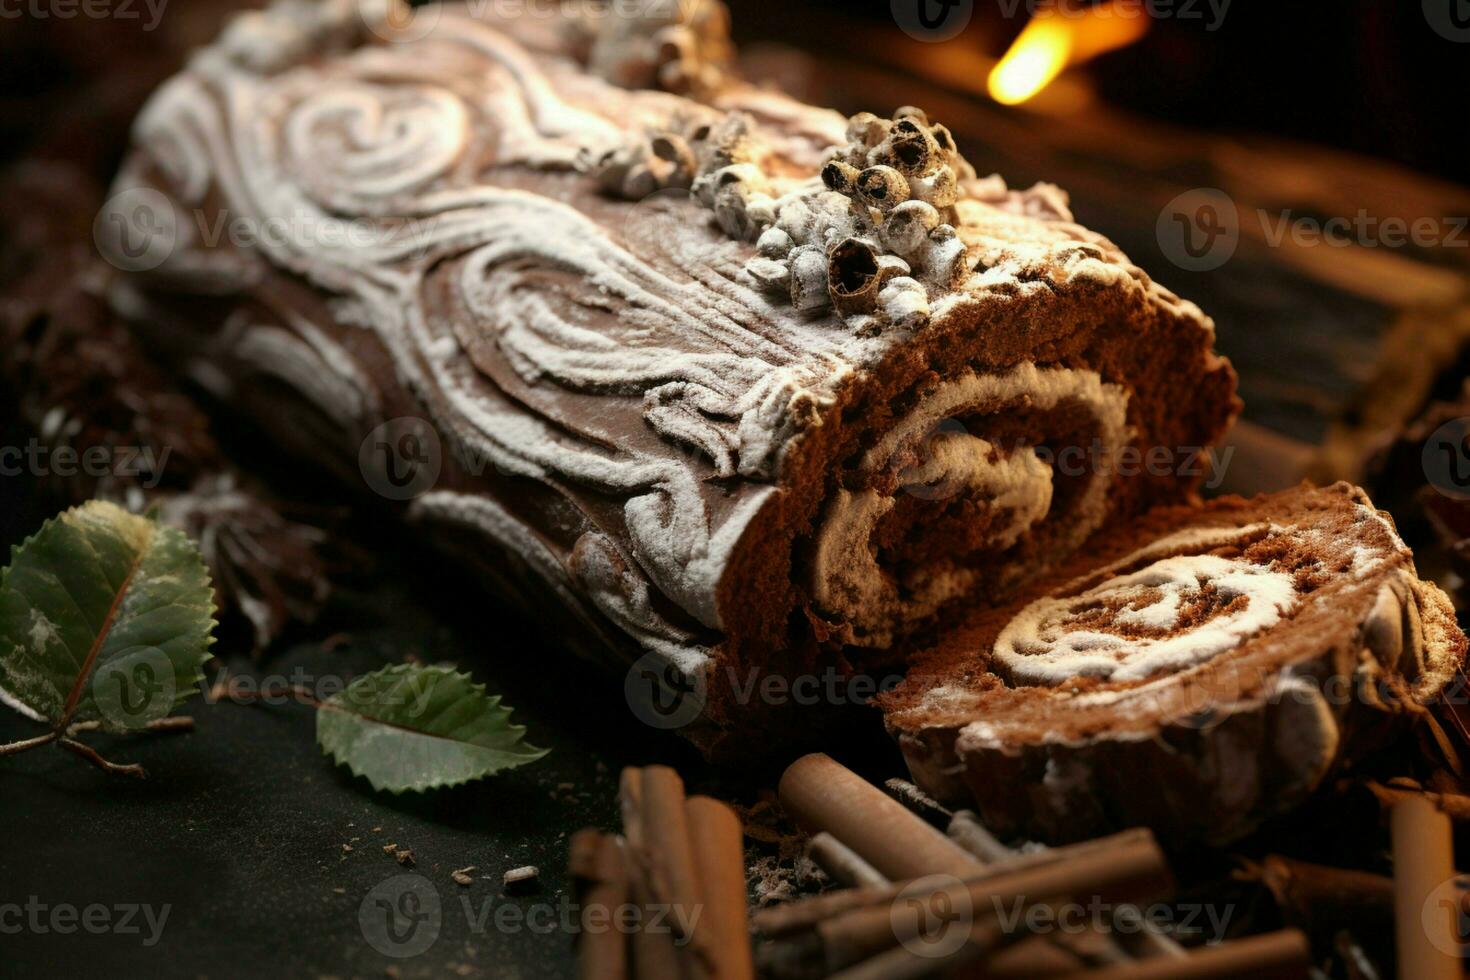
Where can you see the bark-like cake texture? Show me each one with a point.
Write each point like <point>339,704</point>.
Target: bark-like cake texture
<point>1195,671</point>
<point>737,381</point>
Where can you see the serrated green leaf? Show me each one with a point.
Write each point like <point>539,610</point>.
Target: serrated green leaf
<point>410,727</point>
<point>105,616</point>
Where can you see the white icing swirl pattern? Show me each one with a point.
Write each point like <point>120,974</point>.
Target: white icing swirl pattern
<point>1049,644</point>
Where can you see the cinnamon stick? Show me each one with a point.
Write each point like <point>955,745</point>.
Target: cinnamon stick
<point>1321,900</point>
<point>966,830</point>
<point>909,963</point>
<point>920,802</point>
<point>841,862</point>
<point>721,933</point>
<point>1425,926</point>
<point>1132,872</point>
<point>821,794</point>
<point>1280,955</point>
<point>654,955</point>
<point>902,963</point>
<point>805,913</point>
<point>667,848</point>
<point>596,863</point>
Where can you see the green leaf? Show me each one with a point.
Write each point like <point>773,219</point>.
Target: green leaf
<point>410,727</point>
<point>106,617</point>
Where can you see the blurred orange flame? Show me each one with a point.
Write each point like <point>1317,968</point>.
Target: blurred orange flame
<point>1060,36</point>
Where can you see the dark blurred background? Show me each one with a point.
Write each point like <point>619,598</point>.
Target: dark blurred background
<point>1371,76</point>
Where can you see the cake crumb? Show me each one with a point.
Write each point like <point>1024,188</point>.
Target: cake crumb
<point>522,879</point>
<point>774,881</point>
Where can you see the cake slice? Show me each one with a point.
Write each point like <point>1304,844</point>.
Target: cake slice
<point>1194,670</point>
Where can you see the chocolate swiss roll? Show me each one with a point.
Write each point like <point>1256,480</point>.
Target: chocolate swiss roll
<point>1198,670</point>
<point>735,381</point>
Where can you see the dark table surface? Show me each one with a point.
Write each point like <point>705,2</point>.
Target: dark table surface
<point>238,833</point>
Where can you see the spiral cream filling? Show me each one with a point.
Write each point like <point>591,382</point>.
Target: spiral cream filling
<point>1166,617</point>
<point>931,455</point>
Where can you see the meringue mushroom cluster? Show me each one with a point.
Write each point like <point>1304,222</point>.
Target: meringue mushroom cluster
<point>676,158</point>
<point>889,235</point>
<point>870,240</point>
<point>679,46</point>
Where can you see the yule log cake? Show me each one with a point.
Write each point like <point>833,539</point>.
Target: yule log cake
<point>1195,671</point>
<point>738,382</point>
